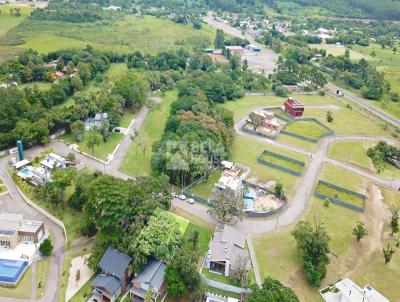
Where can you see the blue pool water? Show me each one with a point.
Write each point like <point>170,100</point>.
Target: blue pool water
<point>26,172</point>
<point>11,270</point>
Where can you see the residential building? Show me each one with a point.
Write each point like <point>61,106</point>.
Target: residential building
<point>150,279</point>
<point>347,291</point>
<point>14,229</point>
<point>226,247</point>
<point>96,122</point>
<point>294,107</point>
<point>113,278</point>
<point>230,183</point>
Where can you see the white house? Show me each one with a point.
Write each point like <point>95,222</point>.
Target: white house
<point>347,291</point>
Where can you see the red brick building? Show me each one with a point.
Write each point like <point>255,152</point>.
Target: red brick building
<point>294,107</point>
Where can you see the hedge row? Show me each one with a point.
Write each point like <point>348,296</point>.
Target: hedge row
<point>279,167</point>
<point>338,201</point>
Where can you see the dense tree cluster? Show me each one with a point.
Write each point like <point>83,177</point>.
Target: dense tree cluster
<point>384,153</point>
<point>359,75</point>
<point>272,291</point>
<point>197,136</point>
<point>314,245</point>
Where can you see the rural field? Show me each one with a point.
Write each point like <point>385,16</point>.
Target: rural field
<point>278,257</point>
<point>339,50</point>
<point>355,153</point>
<point>136,161</point>
<point>146,34</point>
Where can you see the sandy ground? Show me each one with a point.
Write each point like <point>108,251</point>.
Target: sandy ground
<point>78,263</point>
<point>266,202</point>
<point>39,4</point>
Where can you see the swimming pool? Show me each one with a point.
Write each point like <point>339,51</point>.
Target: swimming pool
<point>26,172</point>
<point>11,270</point>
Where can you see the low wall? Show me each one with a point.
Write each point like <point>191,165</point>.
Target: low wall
<point>261,160</point>
<point>308,139</point>
<point>223,286</point>
<point>338,201</point>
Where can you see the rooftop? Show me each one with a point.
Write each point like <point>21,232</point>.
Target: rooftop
<point>228,181</point>
<point>294,103</point>
<point>227,243</point>
<point>153,274</point>
<point>114,262</point>
<point>108,283</point>
<point>10,222</point>
<point>348,291</point>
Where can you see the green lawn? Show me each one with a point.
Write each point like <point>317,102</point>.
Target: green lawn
<point>101,151</point>
<point>343,196</point>
<point>136,161</point>
<point>84,292</point>
<point>283,162</point>
<point>335,50</point>
<point>306,128</point>
<point>245,150</point>
<point>22,290</point>
<point>73,220</point>
<point>342,178</point>
<point>355,153</point>
<point>204,228</point>
<point>219,278</point>
<point>245,105</point>
<point>183,222</point>
<point>127,118</point>
<point>348,121</point>
<point>42,270</point>
<point>204,188</point>
<point>40,85</point>
<point>147,34</point>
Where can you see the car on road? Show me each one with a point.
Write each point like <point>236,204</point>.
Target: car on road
<point>182,197</point>
<point>190,200</point>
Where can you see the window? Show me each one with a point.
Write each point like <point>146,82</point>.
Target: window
<point>5,243</point>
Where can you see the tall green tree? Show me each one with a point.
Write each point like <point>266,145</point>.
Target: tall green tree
<point>93,140</point>
<point>219,41</point>
<point>227,207</point>
<point>360,230</point>
<point>271,291</point>
<point>314,245</point>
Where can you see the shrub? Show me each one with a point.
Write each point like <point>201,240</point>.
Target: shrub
<point>46,247</point>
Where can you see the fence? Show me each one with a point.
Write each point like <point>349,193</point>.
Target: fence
<point>338,201</point>
<point>279,167</point>
<point>305,138</point>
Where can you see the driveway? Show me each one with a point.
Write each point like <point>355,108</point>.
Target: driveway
<point>13,202</point>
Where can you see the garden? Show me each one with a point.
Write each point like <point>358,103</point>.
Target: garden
<point>332,192</point>
<point>309,129</point>
<point>282,163</point>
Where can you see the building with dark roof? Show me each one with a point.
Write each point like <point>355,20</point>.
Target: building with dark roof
<point>114,276</point>
<point>151,278</point>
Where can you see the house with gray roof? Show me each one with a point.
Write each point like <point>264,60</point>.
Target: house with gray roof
<point>150,279</point>
<point>227,246</point>
<point>114,276</point>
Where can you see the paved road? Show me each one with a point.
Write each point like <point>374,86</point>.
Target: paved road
<point>14,203</point>
<point>359,101</point>
<point>267,62</point>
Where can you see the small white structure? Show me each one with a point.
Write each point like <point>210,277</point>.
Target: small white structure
<point>253,48</point>
<point>229,183</point>
<point>112,8</point>
<point>95,123</point>
<point>216,298</point>
<point>347,291</point>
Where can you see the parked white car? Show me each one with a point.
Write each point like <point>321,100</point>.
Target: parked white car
<point>190,200</point>
<point>182,197</point>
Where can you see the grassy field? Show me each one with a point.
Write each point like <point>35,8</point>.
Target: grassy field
<point>147,34</point>
<point>22,290</point>
<point>343,196</point>
<point>306,128</point>
<point>355,153</point>
<point>42,270</point>
<point>219,278</point>
<point>246,150</point>
<point>84,292</point>
<point>204,189</point>
<point>195,224</point>
<point>245,105</point>
<point>348,121</point>
<point>101,151</point>
<point>137,160</point>
<point>283,162</point>
<point>333,49</point>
